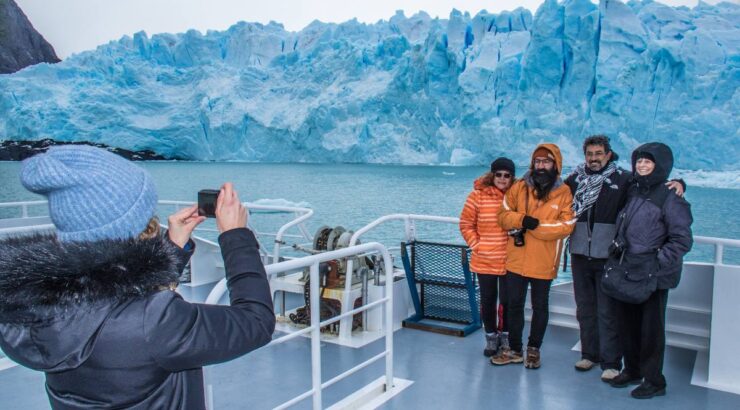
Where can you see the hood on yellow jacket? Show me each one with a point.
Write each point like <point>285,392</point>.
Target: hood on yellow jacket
<point>554,150</point>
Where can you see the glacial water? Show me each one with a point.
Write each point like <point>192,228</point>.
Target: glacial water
<point>354,195</point>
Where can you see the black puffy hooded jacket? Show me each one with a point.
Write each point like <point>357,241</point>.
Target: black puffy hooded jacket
<point>100,321</point>
<point>656,220</point>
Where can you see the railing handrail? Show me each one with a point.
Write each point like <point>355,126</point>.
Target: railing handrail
<point>715,241</point>
<point>21,203</point>
<point>404,217</point>
<point>301,213</point>
<point>29,228</point>
<point>313,261</point>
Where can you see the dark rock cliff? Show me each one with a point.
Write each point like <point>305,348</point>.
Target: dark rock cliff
<point>20,150</point>
<point>20,44</point>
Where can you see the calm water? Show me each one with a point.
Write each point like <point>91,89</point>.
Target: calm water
<point>354,195</point>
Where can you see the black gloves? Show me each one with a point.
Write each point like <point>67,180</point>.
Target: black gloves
<point>530,223</point>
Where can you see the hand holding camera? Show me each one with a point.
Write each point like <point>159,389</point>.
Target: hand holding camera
<point>230,213</point>
<point>528,222</point>
<point>182,223</point>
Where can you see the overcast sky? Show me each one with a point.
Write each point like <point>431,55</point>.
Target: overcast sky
<point>72,26</point>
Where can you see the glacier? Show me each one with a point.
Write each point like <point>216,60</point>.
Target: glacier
<point>409,90</point>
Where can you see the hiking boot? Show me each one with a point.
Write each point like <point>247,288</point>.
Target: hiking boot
<point>647,390</point>
<point>533,358</point>
<point>584,365</point>
<point>492,341</point>
<point>624,379</point>
<point>608,375</point>
<point>506,356</point>
<point>503,340</point>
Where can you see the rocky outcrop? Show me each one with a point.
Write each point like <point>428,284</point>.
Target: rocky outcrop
<point>20,44</point>
<point>20,150</point>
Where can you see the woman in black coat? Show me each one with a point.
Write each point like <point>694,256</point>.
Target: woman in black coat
<point>656,225</point>
<point>93,305</point>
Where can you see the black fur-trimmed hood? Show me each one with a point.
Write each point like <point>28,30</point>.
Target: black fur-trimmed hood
<point>55,296</point>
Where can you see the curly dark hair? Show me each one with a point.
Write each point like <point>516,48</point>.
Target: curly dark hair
<point>600,139</point>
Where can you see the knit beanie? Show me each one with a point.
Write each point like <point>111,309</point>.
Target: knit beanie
<point>504,164</point>
<point>93,194</point>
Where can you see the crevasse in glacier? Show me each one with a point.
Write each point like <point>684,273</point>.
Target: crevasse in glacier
<point>408,90</point>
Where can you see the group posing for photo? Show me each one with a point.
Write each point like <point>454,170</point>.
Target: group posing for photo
<point>626,232</point>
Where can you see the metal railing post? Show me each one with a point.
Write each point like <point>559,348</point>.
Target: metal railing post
<point>718,253</point>
<point>388,328</point>
<point>315,336</point>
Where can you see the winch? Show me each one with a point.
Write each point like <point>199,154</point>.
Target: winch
<point>333,276</point>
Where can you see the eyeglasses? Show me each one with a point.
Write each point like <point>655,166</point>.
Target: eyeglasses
<point>544,161</point>
<point>505,175</point>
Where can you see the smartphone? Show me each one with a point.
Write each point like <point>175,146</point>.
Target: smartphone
<point>207,202</point>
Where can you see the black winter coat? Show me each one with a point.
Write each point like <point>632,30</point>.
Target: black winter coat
<point>656,220</point>
<point>595,228</point>
<point>99,319</point>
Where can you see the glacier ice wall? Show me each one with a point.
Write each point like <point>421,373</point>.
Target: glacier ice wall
<point>408,90</point>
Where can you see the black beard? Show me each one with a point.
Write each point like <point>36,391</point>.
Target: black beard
<point>543,182</point>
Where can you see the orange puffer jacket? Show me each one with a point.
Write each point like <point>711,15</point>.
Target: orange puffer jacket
<point>540,256</point>
<point>480,228</point>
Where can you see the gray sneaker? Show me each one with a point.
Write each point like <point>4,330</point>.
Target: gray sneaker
<point>492,342</point>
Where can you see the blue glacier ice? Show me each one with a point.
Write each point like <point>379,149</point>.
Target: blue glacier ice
<point>407,90</point>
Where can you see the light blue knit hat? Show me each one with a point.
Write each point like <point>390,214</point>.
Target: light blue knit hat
<point>93,194</point>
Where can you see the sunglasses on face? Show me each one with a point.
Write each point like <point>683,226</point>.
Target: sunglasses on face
<point>502,175</point>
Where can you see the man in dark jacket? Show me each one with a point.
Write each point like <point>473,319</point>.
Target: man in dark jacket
<point>654,227</point>
<point>93,305</point>
<point>599,191</point>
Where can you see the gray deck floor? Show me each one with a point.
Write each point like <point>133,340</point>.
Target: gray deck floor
<point>448,373</point>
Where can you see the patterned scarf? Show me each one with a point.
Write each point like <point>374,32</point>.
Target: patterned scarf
<point>589,186</point>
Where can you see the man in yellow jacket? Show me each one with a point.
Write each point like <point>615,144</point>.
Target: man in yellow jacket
<point>537,212</point>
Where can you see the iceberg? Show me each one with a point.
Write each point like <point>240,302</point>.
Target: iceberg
<point>409,90</point>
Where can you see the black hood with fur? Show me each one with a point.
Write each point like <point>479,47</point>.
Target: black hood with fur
<point>48,288</point>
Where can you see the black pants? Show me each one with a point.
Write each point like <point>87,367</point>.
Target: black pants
<point>489,293</point>
<point>596,314</point>
<point>516,288</point>
<point>643,336</point>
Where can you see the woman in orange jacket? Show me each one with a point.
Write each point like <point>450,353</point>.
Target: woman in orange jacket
<point>538,210</point>
<point>480,228</point>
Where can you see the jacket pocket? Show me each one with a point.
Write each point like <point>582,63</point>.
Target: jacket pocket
<point>601,237</point>
<point>631,278</point>
<point>579,239</point>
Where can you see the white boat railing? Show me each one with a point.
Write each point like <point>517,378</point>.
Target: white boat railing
<point>23,205</point>
<point>300,216</point>
<point>314,329</point>
<point>719,246</point>
<point>345,326</point>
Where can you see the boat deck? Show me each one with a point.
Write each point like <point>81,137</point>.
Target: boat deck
<point>447,373</point>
